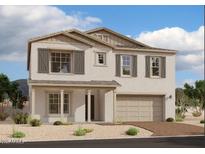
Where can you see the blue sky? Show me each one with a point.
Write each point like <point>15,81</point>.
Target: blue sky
<point>135,21</point>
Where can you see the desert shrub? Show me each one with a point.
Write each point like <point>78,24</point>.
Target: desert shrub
<point>196,113</point>
<point>18,134</point>
<point>35,122</point>
<point>3,116</point>
<point>178,110</point>
<point>170,119</point>
<point>88,130</point>
<point>58,123</point>
<point>20,118</point>
<point>202,121</point>
<point>80,132</point>
<point>132,131</point>
<point>179,118</point>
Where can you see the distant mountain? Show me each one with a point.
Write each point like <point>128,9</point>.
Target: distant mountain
<point>23,86</point>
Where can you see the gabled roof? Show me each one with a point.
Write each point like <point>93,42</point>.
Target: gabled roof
<point>59,33</point>
<point>117,34</point>
<point>90,37</point>
<point>69,33</point>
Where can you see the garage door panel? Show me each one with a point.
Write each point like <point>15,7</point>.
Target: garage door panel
<point>139,108</point>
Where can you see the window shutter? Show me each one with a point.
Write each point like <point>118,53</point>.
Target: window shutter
<point>134,66</point>
<point>117,65</point>
<point>79,62</point>
<point>147,66</point>
<point>163,67</point>
<point>43,60</point>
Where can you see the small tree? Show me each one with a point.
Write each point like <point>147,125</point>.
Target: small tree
<point>196,95</point>
<point>4,86</point>
<point>181,102</point>
<point>11,91</point>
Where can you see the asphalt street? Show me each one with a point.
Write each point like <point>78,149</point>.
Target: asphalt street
<point>157,142</point>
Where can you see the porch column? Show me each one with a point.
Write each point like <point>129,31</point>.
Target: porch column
<point>33,93</point>
<point>62,102</point>
<point>114,104</point>
<point>89,104</point>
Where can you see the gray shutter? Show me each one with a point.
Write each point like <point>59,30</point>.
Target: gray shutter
<point>163,67</point>
<point>43,60</point>
<point>117,65</point>
<point>79,62</point>
<point>134,66</point>
<point>147,66</point>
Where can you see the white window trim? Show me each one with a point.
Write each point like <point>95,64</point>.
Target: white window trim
<point>96,59</point>
<point>121,66</point>
<point>71,62</point>
<point>47,101</point>
<point>151,73</point>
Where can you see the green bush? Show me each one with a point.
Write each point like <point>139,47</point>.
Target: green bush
<point>3,116</point>
<point>58,123</point>
<point>18,134</point>
<point>202,121</point>
<point>179,117</point>
<point>80,132</point>
<point>196,114</point>
<point>88,130</point>
<point>20,118</point>
<point>35,122</point>
<point>170,119</point>
<point>132,131</point>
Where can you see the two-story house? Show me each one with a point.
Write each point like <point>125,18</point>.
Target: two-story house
<point>99,75</point>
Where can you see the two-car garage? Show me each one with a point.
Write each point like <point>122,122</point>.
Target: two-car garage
<point>139,107</point>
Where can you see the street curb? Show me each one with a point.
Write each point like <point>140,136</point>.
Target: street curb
<point>89,139</point>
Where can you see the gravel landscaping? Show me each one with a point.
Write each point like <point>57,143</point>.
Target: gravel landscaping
<point>65,132</point>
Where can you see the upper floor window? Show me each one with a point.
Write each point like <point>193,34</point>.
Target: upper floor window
<point>101,58</point>
<point>155,66</point>
<point>60,62</point>
<point>126,65</point>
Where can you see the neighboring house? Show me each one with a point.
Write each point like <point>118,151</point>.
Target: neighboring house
<point>99,75</point>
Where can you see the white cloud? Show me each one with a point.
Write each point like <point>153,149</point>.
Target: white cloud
<point>13,56</point>
<point>19,23</point>
<point>190,46</point>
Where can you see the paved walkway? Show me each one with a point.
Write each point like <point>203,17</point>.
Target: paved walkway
<point>169,128</point>
<point>190,119</point>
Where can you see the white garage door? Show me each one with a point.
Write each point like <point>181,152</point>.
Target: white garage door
<point>139,108</point>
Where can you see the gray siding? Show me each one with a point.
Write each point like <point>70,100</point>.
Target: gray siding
<point>43,60</point>
<point>79,62</point>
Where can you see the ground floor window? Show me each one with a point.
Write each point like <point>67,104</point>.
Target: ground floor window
<point>54,101</point>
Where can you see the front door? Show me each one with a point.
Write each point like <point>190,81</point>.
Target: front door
<point>92,108</point>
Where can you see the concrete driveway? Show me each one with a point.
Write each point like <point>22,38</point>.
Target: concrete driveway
<point>169,128</point>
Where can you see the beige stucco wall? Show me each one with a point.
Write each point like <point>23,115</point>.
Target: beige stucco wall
<point>134,85</point>
<point>77,104</point>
